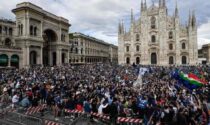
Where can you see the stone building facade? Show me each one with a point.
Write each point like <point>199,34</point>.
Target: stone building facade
<point>157,38</point>
<point>36,38</point>
<point>87,49</point>
<point>204,54</point>
<point>10,54</point>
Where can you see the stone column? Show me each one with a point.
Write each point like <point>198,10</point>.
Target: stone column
<point>27,56</point>
<point>58,57</point>
<point>67,57</point>
<point>50,60</point>
<point>9,61</point>
<point>41,56</point>
<point>41,30</point>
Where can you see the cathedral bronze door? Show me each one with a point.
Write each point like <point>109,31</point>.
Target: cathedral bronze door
<point>171,60</point>
<point>153,58</point>
<point>184,60</point>
<point>127,60</point>
<point>137,60</point>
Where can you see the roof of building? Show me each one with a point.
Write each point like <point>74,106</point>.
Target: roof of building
<point>206,45</point>
<point>78,34</point>
<point>7,21</point>
<point>40,10</point>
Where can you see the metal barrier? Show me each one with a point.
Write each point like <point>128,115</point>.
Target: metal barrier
<point>33,110</point>
<point>23,119</point>
<point>105,118</point>
<point>73,114</point>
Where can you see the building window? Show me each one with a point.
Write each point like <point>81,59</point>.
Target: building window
<point>5,30</point>
<point>183,46</point>
<point>76,50</point>
<point>35,31</point>
<point>63,37</point>
<point>18,29</point>
<point>8,42</point>
<point>153,38</point>
<point>10,31</point>
<point>81,50</point>
<point>137,48</point>
<point>171,46</point>
<point>21,29</point>
<point>137,37</point>
<point>153,22</point>
<point>0,29</point>
<point>127,48</point>
<point>170,35</point>
<point>71,51</point>
<point>31,30</point>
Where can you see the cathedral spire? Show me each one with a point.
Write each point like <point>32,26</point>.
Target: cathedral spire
<point>132,18</point>
<point>122,27</point>
<point>142,5</point>
<point>189,19</point>
<point>145,4</point>
<point>176,10</point>
<point>193,18</point>
<point>160,3</point>
<point>119,28</point>
<point>164,3</point>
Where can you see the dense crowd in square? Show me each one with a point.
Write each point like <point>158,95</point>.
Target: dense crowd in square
<point>108,90</point>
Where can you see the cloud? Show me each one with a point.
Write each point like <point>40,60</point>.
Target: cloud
<point>100,17</point>
<point>204,34</point>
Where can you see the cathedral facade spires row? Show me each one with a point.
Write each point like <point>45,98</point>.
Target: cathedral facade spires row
<point>192,19</point>
<point>162,3</point>
<point>121,28</point>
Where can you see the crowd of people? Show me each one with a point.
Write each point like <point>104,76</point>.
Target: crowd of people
<point>108,90</point>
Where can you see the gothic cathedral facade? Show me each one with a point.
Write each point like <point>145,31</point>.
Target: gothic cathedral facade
<point>157,38</point>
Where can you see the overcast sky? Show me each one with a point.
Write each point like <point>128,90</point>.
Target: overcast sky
<point>99,18</point>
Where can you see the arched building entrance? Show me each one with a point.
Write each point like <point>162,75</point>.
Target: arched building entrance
<point>49,58</point>
<point>33,58</point>
<point>4,60</point>
<point>15,61</point>
<point>153,58</point>
<point>63,58</point>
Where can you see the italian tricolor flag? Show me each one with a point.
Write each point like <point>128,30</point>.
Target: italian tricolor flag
<point>192,79</point>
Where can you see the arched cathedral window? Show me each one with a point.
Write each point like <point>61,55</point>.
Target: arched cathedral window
<point>153,22</point>
<point>183,46</point>
<point>170,35</point>
<point>137,37</point>
<point>137,48</point>
<point>171,46</point>
<point>127,48</point>
<point>153,38</point>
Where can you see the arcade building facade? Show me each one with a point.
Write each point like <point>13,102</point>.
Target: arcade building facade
<point>36,38</point>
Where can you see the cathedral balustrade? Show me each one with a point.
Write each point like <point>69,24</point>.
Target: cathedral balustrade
<point>2,47</point>
<point>184,51</point>
<point>153,44</point>
<point>153,30</point>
